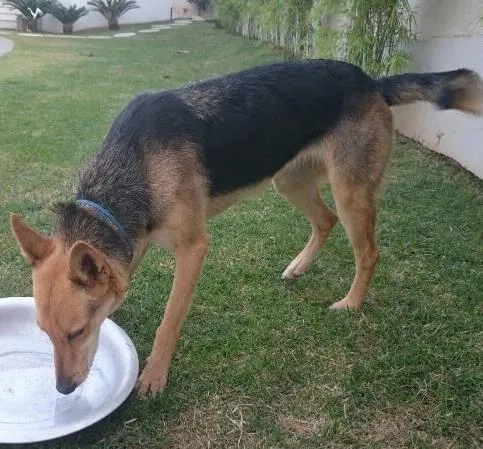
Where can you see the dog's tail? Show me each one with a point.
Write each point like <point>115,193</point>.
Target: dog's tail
<point>459,89</point>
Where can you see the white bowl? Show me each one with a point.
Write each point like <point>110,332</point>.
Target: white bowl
<point>31,409</point>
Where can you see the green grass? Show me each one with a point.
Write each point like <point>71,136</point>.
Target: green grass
<point>103,30</point>
<point>261,362</point>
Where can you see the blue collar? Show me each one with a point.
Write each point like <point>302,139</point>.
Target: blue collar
<point>104,215</point>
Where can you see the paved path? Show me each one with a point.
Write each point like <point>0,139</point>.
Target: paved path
<point>5,45</point>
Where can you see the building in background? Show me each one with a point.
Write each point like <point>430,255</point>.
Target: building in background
<point>181,8</point>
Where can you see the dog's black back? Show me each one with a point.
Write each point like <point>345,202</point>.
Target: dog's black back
<point>246,126</point>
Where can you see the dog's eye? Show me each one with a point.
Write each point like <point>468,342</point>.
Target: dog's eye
<point>75,334</point>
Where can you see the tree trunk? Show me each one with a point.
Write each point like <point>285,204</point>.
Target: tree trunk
<point>33,25</point>
<point>67,28</point>
<point>113,25</point>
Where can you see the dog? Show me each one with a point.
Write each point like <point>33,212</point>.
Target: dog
<point>173,159</point>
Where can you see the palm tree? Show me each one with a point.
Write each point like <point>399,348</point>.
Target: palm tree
<point>31,10</point>
<point>113,9</point>
<point>68,15</point>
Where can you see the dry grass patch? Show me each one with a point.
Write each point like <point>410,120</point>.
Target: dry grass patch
<point>402,427</point>
<point>216,422</point>
<point>304,427</point>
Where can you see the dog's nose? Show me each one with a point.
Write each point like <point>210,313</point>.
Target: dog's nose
<point>65,386</point>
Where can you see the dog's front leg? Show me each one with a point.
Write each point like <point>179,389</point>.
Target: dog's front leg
<point>189,260</point>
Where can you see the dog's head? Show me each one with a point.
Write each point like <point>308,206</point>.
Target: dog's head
<point>75,288</point>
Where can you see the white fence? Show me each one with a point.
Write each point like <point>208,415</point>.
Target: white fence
<point>450,36</point>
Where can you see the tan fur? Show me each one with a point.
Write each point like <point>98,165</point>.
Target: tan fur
<point>176,182</point>
<point>63,306</point>
<point>218,204</point>
<point>299,183</point>
<point>355,182</point>
<point>472,105</point>
<point>468,94</point>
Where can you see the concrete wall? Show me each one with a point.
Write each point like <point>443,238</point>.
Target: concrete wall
<point>450,36</point>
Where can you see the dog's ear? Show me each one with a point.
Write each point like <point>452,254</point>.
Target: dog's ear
<point>88,267</point>
<point>34,245</point>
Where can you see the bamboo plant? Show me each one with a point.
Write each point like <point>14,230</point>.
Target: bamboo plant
<point>370,33</point>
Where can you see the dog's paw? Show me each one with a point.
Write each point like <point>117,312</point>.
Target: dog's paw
<point>345,304</point>
<point>152,381</point>
<point>296,268</point>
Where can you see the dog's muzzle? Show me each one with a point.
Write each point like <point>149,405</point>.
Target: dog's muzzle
<point>65,386</point>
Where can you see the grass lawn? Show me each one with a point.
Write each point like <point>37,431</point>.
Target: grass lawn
<point>262,363</point>
<point>103,30</point>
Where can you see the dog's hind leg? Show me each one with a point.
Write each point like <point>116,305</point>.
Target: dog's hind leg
<point>357,212</point>
<point>356,162</point>
<point>298,182</point>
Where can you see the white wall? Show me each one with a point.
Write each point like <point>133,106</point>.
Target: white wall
<point>149,11</point>
<point>450,36</point>
<point>8,18</point>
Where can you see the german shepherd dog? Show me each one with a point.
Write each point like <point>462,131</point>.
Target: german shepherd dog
<point>172,159</point>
